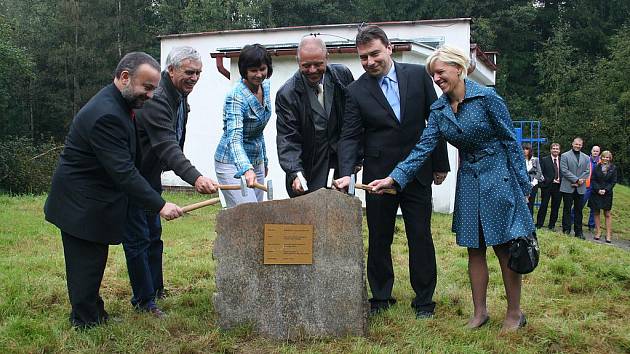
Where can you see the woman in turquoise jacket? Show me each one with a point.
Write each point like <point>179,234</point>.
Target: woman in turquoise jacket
<point>492,182</point>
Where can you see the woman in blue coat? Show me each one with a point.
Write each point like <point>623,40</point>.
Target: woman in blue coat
<point>492,181</point>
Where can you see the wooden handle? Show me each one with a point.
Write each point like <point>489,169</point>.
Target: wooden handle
<point>369,189</point>
<point>260,186</point>
<point>230,187</point>
<point>196,206</point>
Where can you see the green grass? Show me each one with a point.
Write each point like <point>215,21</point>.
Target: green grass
<point>577,301</point>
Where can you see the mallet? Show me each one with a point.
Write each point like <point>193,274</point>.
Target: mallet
<point>196,206</point>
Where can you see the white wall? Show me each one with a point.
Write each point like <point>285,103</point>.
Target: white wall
<point>205,125</point>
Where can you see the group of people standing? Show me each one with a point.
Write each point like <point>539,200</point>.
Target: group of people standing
<point>389,123</point>
<point>576,180</point>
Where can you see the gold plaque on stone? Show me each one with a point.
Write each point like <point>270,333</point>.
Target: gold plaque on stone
<point>288,244</point>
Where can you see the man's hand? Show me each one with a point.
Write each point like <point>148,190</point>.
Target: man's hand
<point>250,178</point>
<point>439,177</point>
<point>580,181</point>
<point>341,184</point>
<point>205,185</point>
<point>378,184</point>
<point>171,211</point>
<point>297,186</point>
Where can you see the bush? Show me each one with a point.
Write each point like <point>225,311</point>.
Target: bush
<point>27,166</point>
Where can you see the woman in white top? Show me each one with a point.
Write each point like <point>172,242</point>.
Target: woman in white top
<point>534,172</point>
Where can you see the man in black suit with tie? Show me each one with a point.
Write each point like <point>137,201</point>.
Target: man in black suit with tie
<point>97,178</point>
<point>385,115</point>
<point>550,186</point>
<point>308,130</point>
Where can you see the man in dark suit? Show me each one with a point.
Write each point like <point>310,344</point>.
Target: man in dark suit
<point>161,135</point>
<point>97,178</point>
<point>550,187</point>
<point>385,115</point>
<point>308,130</point>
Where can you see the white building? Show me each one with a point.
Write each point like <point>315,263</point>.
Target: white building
<point>413,42</point>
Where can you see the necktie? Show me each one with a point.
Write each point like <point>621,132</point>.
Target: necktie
<point>389,89</point>
<point>555,165</point>
<point>320,94</point>
<point>180,120</point>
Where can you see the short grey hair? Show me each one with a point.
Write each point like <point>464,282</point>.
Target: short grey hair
<point>179,54</point>
<point>310,39</point>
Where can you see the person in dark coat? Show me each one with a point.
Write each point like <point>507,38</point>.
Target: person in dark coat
<point>603,181</point>
<point>307,130</point>
<point>161,134</point>
<point>492,181</point>
<point>385,115</point>
<point>550,187</point>
<point>96,180</point>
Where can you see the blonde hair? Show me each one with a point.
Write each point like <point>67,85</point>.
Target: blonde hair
<point>450,56</point>
<point>606,153</point>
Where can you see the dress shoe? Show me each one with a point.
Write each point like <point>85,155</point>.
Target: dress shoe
<point>580,236</point>
<point>424,314</point>
<point>522,321</point>
<point>377,306</point>
<point>481,324</point>
<point>161,294</point>
<point>156,312</point>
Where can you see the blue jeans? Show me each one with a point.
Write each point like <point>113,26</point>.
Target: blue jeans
<point>143,250</point>
<point>591,215</point>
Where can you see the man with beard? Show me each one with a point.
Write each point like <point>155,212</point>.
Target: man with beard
<point>385,115</point>
<point>96,179</point>
<point>309,109</point>
<point>161,134</point>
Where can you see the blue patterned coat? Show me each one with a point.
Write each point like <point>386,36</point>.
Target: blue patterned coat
<point>492,179</point>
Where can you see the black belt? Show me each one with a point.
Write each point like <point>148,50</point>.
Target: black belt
<point>473,157</point>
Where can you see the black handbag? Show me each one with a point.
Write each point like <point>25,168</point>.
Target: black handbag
<point>524,254</point>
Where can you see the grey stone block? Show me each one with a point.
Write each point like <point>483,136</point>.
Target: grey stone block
<point>325,299</point>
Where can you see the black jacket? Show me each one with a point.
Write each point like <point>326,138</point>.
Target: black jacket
<point>296,135</point>
<point>370,122</point>
<point>96,176</point>
<point>160,149</point>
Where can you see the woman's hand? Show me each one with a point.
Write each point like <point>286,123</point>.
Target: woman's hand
<point>379,184</point>
<point>250,178</point>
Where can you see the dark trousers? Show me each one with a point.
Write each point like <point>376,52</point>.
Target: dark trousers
<point>143,251</point>
<point>549,193</point>
<point>415,203</point>
<point>570,200</point>
<point>85,265</point>
<point>531,199</point>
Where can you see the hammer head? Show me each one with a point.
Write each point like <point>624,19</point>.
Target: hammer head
<point>269,190</point>
<point>243,186</point>
<point>329,180</point>
<point>351,186</point>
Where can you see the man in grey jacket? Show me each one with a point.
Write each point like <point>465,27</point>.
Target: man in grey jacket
<point>161,134</point>
<point>575,169</point>
<point>309,109</point>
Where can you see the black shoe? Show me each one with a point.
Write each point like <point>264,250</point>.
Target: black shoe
<point>161,294</point>
<point>539,226</point>
<point>424,314</point>
<point>580,236</point>
<point>377,306</point>
<point>522,321</point>
<point>566,232</point>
